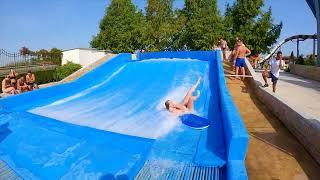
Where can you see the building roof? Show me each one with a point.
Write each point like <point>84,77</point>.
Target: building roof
<point>88,49</point>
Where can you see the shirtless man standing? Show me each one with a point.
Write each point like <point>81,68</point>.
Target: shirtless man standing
<point>241,51</point>
<point>187,103</point>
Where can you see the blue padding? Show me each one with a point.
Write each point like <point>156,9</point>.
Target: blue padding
<point>124,98</point>
<point>236,170</point>
<point>47,95</point>
<point>37,147</point>
<point>201,55</point>
<point>235,133</point>
<point>195,121</point>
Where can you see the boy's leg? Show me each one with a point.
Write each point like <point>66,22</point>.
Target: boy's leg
<point>274,87</point>
<point>189,93</point>
<point>237,70</point>
<point>190,104</point>
<point>265,76</point>
<point>243,73</point>
<point>192,99</point>
<point>9,90</point>
<point>274,83</point>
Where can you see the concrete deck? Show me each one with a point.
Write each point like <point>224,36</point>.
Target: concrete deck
<point>299,93</point>
<point>273,153</point>
<point>296,104</point>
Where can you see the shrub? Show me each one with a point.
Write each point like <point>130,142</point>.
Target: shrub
<point>310,61</point>
<point>300,60</point>
<point>67,69</point>
<point>47,76</point>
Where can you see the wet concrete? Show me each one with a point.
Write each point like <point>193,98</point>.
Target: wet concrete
<point>273,152</point>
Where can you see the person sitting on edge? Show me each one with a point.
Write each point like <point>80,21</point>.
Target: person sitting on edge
<point>22,85</point>
<point>275,65</point>
<point>13,83</point>
<point>187,103</point>
<point>31,81</point>
<point>241,51</point>
<point>6,86</point>
<point>13,74</point>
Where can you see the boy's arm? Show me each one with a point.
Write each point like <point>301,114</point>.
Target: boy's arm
<point>248,52</point>
<point>3,85</point>
<point>33,78</point>
<point>18,84</point>
<point>281,64</point>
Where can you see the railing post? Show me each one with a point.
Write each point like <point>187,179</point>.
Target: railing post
<point>316,4</point>
<point>298,53</point>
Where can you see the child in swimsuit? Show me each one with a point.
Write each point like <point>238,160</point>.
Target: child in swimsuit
<point>187,103</point>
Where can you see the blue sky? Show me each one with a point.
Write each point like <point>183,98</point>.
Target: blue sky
<point>71,23</point>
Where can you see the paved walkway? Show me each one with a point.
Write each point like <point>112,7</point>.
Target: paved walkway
<point>299,93</point>
<point>273,153</point>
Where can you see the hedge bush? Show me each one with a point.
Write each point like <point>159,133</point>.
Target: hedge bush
<point>66,70</point>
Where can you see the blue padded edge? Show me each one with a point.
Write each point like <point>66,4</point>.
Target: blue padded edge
<point>200,55</point>
<point>236,170</point>
<point>235,133</point>
<point>52,93</point>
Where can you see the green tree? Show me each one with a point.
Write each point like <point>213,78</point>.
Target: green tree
<point>310,60</point>
<point>56,55</point>
<point>121,28</point>
<point>160,25</point>
<point>24,51</point>
<point>178,39</point>
<point>246,20</point>
<point>203,25</point>
<point>43,54</point>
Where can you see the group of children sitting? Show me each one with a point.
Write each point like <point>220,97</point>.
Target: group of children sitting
<point>15,84</point>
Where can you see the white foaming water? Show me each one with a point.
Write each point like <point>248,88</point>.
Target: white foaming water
<point>85,92</point>
<point>153,122</point>
<point>125,108</point>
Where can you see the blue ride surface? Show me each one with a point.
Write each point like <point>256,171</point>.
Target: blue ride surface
<point>112,123</point>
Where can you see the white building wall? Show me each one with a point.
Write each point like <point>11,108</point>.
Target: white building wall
<point>70,55</point>
<point>87,57</point>
<point>82,56</point>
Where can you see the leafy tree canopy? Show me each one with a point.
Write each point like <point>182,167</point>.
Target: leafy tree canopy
<point>121,28</point>
<point>246,20</point>
<point>197,26</point>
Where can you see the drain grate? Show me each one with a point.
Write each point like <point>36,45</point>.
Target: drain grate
<point>160,172</point>
<point>6,173</point>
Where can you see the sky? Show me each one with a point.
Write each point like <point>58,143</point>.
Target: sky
<point>66,24</point>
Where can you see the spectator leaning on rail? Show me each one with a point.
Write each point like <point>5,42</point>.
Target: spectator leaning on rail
<point>274,73</point>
